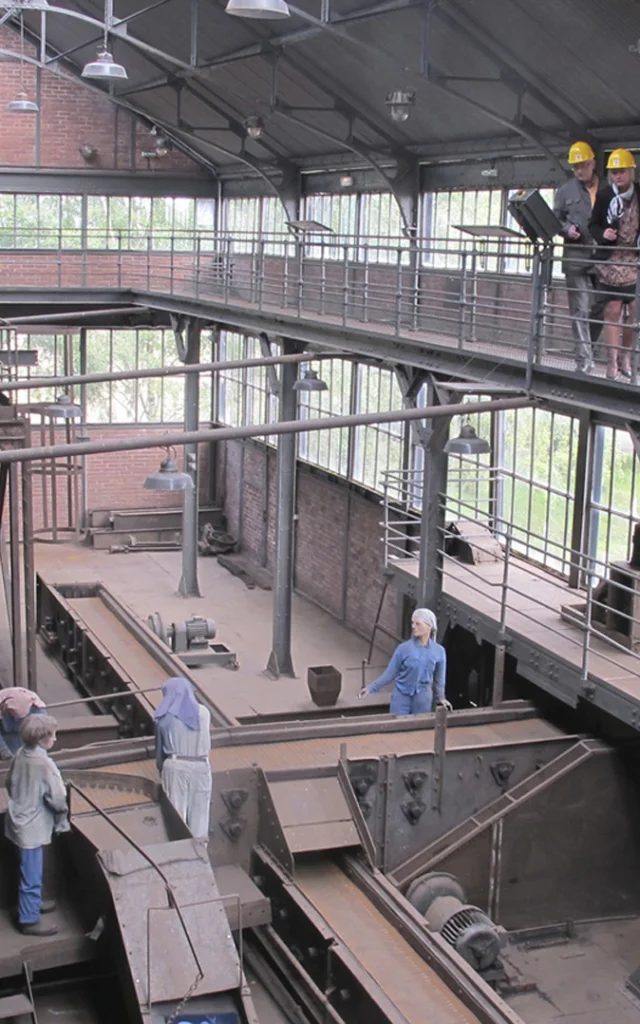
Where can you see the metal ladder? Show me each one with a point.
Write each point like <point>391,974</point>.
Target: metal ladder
<point>20,1008</point>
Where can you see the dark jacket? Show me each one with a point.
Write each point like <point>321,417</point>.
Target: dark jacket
<point>599,223</point>
<point>572,205</point>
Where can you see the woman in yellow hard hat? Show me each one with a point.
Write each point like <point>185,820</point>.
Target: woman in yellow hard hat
<point>615,226</point>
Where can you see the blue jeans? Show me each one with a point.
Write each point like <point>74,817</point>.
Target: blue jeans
<point>30,889</point>
<point>418,703</point>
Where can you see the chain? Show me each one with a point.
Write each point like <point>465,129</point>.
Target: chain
<point>185,999</point>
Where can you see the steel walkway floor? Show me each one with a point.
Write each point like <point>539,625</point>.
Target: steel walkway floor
<point>412,986</point>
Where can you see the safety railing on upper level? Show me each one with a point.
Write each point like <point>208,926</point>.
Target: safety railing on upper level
<point>598,622</point>
<point>501,297</point>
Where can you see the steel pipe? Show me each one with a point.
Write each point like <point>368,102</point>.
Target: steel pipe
<point>161,371</point>
<point>179,438</point>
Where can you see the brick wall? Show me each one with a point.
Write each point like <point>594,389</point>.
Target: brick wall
<point>114,479</point>
<point>71,114</point>
<point>338,549</point>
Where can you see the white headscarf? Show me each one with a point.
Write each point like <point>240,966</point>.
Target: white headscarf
<point>426,615</point>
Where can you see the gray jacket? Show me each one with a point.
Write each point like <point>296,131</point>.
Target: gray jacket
<point>37,800</point>
<point>572,205</point>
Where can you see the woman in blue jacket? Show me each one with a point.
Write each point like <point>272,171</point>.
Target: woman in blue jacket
<point>418,668</point>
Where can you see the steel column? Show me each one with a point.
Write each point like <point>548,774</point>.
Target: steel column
<point>16,594</point>
<point>280,660</point>
<point>188,586</point>
<point>434,484</point>
<point>29,569</point>
<point>579,526</point>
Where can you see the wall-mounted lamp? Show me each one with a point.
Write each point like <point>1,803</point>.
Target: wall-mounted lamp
<point>87,152</point>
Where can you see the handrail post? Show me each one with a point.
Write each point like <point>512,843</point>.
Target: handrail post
<point>398,288</point>
<point>148,262</point>
<point>300,285</point>
<point>462,318</point>
<point>198,253</point>
<point>635,336</point>
<point>385,505</point>
<point>500,650</point>
<point>345,284</point>
<point>587,631</point>
<point>261,271</point>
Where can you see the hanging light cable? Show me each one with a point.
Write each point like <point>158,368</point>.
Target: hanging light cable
<point>104,65</point>
<point>22,104</point>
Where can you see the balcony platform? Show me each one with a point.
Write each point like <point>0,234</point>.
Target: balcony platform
<point>549,650</point>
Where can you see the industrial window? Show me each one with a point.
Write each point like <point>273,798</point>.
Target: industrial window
<point>261,405</point>
<point>381,230</point>
<point>152,400</point>
<point>327,448</point>
<point>378,449</point>
<point>444,243</point>
<point>615,497</point>
<point>231,383</point>
<point>536,458</point>
<point>338,213</point>
<point>40,222</point>
<point>141,222</point>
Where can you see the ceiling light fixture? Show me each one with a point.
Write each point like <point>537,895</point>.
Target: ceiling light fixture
<point>467,443</point>
<point>254,126</point>
<point>267,9</point>
<point>104,65</point>
<point>346,180</point>
<point>63,408</point>
<point>400,102</point>
<point>168,478</point>
<point>22,104</point>
<point>310,382</point>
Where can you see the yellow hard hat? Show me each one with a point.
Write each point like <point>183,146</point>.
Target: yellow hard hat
<point>620,159</point>
<point>579,152</point>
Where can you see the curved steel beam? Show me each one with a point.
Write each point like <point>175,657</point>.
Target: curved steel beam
<point>408,229</point>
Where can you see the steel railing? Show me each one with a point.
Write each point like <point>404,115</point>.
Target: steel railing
<point>500,297</point>
<point>602,628</point>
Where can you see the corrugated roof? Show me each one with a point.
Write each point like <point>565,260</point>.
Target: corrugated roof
<point>540,71</point>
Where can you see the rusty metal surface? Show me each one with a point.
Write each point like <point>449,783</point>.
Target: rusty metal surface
<point>314,815</point>
<point>411,985</point>
<point>326,750</point>
<point>160,968</point>
<point>123,648</point>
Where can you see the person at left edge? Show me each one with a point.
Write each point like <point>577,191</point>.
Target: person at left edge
<point>16,702</point>
<point>37,808</point>
<point>418,668</point>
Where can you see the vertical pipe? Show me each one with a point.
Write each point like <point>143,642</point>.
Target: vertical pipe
<point>54,487</point>
<point>16,595</point>
<point>595,497</point>
<point>83,511</point>
<point>280,661</point>
<point>28,564</point>
<point>188,586</point>
<point>434,483</point>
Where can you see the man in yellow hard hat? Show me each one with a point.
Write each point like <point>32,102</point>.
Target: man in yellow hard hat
<point>573,204</point>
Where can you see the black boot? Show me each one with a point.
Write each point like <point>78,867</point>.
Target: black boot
<point>38,928</point>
